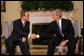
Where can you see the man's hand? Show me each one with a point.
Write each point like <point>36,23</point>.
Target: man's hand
<point>63,43</point>
<point>33,36</point>
<point>23,39</point>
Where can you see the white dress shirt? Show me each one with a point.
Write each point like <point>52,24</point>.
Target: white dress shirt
<point>60,23</point>
<point>22,21</point>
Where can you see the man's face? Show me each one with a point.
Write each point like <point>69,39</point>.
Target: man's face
<point>26,16</point>
<point>55,17</point>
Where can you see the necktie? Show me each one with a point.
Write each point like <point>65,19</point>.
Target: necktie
<point>59,29</point>
<point>23,24</point>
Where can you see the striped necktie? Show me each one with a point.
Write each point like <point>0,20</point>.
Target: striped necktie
<point>60,31</point>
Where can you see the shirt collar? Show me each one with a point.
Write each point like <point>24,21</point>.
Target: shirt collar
<point>59,20</point>
<point>22,21</point>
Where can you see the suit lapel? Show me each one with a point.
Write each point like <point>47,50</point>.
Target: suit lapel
<point>21,24</point>
<point>25,26</point>
<point>63,25</point>
<point>56,26</point>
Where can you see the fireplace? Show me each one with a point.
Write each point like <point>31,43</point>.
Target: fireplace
<point>39,22</point>
<point>38,28</point>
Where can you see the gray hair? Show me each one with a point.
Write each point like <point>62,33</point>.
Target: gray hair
<point>22,13</point>
<point>58,12</point>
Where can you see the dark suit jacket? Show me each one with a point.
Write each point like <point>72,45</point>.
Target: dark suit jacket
<point>18,30</point>
<point>67,30</point>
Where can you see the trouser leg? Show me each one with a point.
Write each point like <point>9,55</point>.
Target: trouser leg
<point>11,47</point>
<point>24,48</point>
<point>51,48</point>
<point>71,47</point>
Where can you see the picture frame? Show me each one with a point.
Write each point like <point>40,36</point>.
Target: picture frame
<point>3,8</point>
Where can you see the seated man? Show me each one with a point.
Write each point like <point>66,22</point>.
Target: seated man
<point>20,34</point>
<point>63,33</point>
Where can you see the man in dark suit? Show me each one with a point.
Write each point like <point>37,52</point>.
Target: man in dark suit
<point>20,34</point>
<point>63,32</point>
